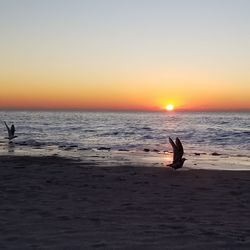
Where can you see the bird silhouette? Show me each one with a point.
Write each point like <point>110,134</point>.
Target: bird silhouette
<point>11,131</point>
<point>178,152</point>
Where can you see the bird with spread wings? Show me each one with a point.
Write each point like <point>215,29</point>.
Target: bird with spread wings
<point>11,131</point>
<point>178,152</point>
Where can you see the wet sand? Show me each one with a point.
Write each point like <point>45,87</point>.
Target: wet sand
<point>59,203</point>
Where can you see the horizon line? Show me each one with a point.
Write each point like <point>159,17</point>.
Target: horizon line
<point>125,110</point>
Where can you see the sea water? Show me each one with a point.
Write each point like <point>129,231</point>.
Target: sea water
<point>202,133</point>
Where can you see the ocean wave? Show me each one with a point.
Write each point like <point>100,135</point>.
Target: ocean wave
<point>209,132</point>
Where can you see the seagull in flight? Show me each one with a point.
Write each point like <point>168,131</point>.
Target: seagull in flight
<point>178,152</point>
<point>11,132</point>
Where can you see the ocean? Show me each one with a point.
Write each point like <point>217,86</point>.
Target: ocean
<point>205,135</point>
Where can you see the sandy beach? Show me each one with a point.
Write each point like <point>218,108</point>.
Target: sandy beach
<point>58,203</point>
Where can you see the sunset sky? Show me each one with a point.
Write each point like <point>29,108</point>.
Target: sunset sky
<point>125,55</point>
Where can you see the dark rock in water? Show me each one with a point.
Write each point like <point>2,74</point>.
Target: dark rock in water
<point>73,146</point>
<point>215,154</point>
<point>156,150</point>
<point>197,153</point>
<point>22,143</point>
<point>146,150</point>
<point>83,148</point>
<point>121,149</point>
<point>103,148</point>
<point>68,148</point>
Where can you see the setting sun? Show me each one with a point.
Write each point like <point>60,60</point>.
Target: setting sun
<point>170,107</point>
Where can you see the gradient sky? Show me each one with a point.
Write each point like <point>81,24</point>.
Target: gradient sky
<point>133,54</point>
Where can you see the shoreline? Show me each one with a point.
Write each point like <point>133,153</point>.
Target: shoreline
<point>52,202</point>
<point>147,157</point>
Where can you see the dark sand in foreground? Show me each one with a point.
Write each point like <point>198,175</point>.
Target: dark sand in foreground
<point>56,203</point>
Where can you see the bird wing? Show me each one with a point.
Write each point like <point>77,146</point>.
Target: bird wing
<point>176,156</point>
<point>12,130</point>
<point>9,132</point>
<point>179,146</point>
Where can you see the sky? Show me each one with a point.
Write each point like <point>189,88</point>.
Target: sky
<point>125,55</point>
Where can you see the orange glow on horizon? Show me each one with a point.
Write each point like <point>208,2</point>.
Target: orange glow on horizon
<point>139,92</point>
<point>96,101</point>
